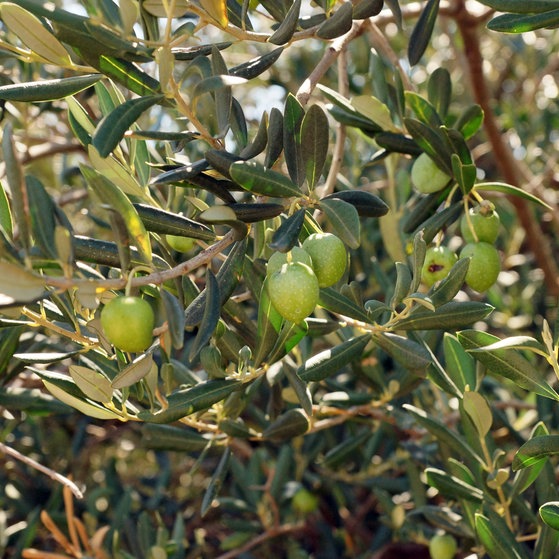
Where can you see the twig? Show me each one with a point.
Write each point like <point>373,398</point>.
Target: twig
<point>328,58</point>
<point>43,469</point>
<point>258,540</point>
<point>156,278</point>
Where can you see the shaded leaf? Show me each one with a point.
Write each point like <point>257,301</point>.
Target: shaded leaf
<point>338,24</point>
<point>459,365</point>
<point>314,143</point>
<point>210,318</point>
<point>18,286</point>
<point>535,450</point>
<point>216,482</point>
<point>421,34</point>
<point>521,6</point>
<point>254,177</point>
<point>288,25</point>
<point>446,317</point>
<point>134,372</point>
<point>191,400</point>
<point>408,353</point>
<point>451,486</point>
<point>337,303</point>
<point>344,219</point>
<point>168,437</point>
<point>366,203</point>
<point>477,408</point>
<point>286,236</point>
<point>93,384</point>
<point>443,434</point>
<point>497,539</point>
<point>423,109</point>
<point>47,90</point>
<point>516,23</point>
<point>110,194</point>
<point>288,425</point>
<point>112,128</point>
<point>34,34</point>
<point>331,361</point>
<point>256,66</point>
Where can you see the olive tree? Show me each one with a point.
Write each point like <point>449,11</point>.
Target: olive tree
<point>305,250</point>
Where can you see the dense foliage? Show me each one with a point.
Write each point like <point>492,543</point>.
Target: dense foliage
<point>279,277</point>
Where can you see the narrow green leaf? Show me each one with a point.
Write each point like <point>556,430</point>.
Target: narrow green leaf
<point>300,388</point>
<point>432,141</point>
<point>366,203</point>
<point>5,212</point>
<point>18,286</point>
<point>274,145</point>
<point>292,423</point>
<point>134,372</point>
<point>421,34</point>
<point>439,91</point>
<point>256,66</point>
<point>16,183</point>
<point>227,278</point>
<point>408,353</point>
<point>345,450</point>
<point>478,410</point>
<point>174,314</point>
<point>169,437</point>
<point>254,177</point>
<point>292,120</point>
<point>508,363</point>
<point>110,194</point>
<point>454,441</point>
<point>269,325</point>
<point>314,143</point>
<point>338,24</point>
<point>446,317</point>
<point>216,482</point>
<point>87,407</point>
<point>464,173</point>
<point>216,84</point>
<point>43,220</point>
<point>451,486</point>
<point>459,365</point>
<point>47,90</point>
<point>549,513</point>
<point>330,361</point>
<point>344,219</point>
<point>124,72</point>
<point>367,8</point>
<point>286,236</point>
<point>423,109</point>
<point>191,400</point>
<point>288,25</point>
<point>448,288</point>
<point>33,34</point>
<point>510,190</point>
<point>93,384</point>
<point>535,450</point>
<point>210,318</point>
<point>517,342</point>
<point>469,121</point>
<point>521,6</point>
<point>498,540</point>
<point>112,128</point>
<point>374,110</point>
<point>337,303</point>
<point>515,23</point>
<point>403,284</point>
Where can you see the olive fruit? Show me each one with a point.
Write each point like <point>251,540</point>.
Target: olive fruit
<point>294,291</point>
<point>426,176</point>
<point>180,244</point>
<point>328,255</point>
<point>304,501</point>
<point>438,262</point>
<point>485,265</point>
<point>296,254</point>
<point>442,546</point>
<point>128,323</point>
<point>483,220</point>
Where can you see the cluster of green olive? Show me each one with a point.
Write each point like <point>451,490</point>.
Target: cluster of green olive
<point>479,228</point>
<point>294,278</point>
